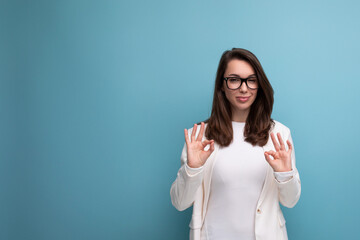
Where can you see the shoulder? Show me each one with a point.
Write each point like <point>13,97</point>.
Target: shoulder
<point>281,127</point>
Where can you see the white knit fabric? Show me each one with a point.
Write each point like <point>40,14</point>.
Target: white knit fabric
<point>236,184</point>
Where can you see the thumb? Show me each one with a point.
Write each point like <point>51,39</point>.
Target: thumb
<point>207,142</point>
<point>267,157</point>
<point>211,149</point>
<point>271,153</point>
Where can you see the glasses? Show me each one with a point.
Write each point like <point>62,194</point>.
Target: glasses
<point>234,83</point>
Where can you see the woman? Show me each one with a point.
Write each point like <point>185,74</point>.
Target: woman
<point>236,167</point>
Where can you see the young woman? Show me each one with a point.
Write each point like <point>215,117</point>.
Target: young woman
<point>240,163</point>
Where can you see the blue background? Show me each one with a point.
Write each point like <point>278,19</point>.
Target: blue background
<point>95,95</point>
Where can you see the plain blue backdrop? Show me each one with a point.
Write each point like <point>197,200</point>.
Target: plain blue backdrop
<point>95,96</point>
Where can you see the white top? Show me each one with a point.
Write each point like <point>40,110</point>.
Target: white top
<point>236,183</point>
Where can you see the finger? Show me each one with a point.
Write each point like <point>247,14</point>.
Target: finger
<point>290,146</point>
<point>267,157</point>
<point>186,136</point>
<point>201,132</point>
<point>276,145</point>
<point>271,153</point>
<point>206,142</point>
<point>211,149</point>
<point>193,133</point>
<point>282,145</point>
<point>212,146</point>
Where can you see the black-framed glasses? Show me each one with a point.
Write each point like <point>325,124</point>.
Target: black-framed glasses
<point>234,83</point>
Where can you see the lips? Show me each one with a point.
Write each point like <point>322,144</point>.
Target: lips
<point>242,99</point>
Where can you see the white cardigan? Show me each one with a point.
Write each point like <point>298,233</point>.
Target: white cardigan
<point>187,191</point>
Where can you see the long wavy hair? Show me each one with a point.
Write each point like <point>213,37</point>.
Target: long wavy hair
<point>259,121</point>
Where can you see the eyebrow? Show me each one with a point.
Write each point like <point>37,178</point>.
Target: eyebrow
<point>251,75</point>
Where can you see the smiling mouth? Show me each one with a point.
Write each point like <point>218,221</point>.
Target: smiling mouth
<point>242,99</point>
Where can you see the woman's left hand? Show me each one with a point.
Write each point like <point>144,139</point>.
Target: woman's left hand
<point>282,158</point>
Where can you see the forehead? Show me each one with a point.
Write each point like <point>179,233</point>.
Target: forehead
<point>239,67</point>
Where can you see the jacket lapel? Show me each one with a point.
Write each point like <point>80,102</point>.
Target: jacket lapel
<point>268,177</point>
<point>207,176</point>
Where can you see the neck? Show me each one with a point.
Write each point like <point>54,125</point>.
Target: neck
<point>240,115</point>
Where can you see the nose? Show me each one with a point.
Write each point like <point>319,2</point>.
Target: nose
<point>243,87</point>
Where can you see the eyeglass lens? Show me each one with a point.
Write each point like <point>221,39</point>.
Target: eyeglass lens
<point>234,83</point>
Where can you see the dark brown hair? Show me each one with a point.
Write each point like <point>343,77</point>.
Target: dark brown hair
<point>258,122</point>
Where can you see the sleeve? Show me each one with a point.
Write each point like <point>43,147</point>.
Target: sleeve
<point>290,188</point>
<point>187,182</point>
<point>284,176</point>
<point>193,171</point>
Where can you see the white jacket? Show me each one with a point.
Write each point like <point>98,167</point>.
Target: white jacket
<point>193,190</point>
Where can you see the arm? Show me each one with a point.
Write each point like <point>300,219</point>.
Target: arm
<point>284,176</point>
<point>186,184</point>
<point>290,190</point>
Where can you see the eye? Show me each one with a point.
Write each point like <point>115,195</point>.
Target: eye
<point>233,79</point>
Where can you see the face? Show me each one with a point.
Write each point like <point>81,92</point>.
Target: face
<point>240,107</point>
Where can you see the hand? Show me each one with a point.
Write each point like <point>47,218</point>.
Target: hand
<point>196,156</point>
<point>282,158</point>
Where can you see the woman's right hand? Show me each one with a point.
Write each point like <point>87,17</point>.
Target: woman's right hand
<point>196,156</point>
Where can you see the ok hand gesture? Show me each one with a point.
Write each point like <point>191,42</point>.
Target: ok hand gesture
<point>282,158</point>
<point>196,156</point>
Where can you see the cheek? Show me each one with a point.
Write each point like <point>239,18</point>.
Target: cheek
<point>228,95</point>
<point>253,98</point>
<point>254,95</point>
